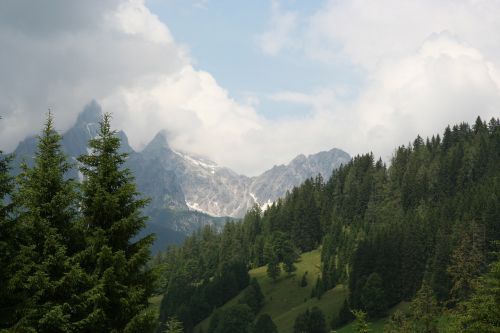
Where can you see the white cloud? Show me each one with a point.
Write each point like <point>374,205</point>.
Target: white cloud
<point>418,78</point>
<point>282,25</point>
<point>426,64</point>
<point>109,47</point>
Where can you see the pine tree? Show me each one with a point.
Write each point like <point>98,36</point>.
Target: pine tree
<point>398,323</point>
<point>481,313</point>
<point>424,310</point>
<point>361,325</point>
<point>343,317</point>
<point>272,259</point>
<point>372,296</point>
<point>467,263</point>
<point>174,326</point>
<point>252,296</point>
<point>311,321</point>
<point>50,279</point>
<point>265,324</point>
<point>114,258</point>
<point>9,244</point>
<point>273,269</point>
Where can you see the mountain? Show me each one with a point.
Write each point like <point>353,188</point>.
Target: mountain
<point>188,191</point>
<point>184,180</point>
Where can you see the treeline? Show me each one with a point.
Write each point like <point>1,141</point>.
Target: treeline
<point>430,218</point>
<point>69,261</point>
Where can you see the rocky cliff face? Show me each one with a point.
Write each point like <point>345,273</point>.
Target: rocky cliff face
<point>180,180</point>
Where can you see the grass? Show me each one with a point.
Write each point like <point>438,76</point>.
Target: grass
<point>155,302</point>
<point>285,299</point>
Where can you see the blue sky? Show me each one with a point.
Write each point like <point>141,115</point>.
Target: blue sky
<point>221,36</point>
<point>252,84</point>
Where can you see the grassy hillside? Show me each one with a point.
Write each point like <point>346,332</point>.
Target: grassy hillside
<point>285,299</point>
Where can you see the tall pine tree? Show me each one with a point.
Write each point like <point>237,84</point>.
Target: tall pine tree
<point>47,280</point>
<point>114,257</point>
<point>9,244</point>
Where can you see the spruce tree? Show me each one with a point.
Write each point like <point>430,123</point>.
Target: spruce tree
<point>265,324</point>
<point>9,244</point>
<point>372,296</point>
<point>424,310</point>
<point>47,278</point>
<point>361,325</point>
<point>481,313</point>
<point>114,257</point>
<point>173,325</point>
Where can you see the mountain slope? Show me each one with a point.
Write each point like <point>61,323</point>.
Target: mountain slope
<point>285,299</point>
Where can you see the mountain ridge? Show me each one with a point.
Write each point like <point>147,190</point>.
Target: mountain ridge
<point>178,181</point>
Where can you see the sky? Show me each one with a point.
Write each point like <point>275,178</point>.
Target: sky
<point>251,84</point>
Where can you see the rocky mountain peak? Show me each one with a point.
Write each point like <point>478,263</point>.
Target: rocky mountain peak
<point>91,114</point>
<point>158,144</point>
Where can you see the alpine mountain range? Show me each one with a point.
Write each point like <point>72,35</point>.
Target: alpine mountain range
<point>188,191</point>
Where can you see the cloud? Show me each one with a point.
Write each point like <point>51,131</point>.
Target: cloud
<point>422,70</point>
<point>92,52</point>
<point>282,25</point>
<point>425,64</point>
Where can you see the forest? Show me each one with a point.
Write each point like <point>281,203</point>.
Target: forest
<point>424,230</point>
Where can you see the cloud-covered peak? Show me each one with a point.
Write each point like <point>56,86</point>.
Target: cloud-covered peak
<point>92,113</point>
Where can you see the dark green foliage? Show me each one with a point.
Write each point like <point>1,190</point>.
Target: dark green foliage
<point>424,312</point>
<point>265,324</point>
<point>253,297</point>
<point>372,296</point>
<point>273,269</point>
<point>303,281</point>
<point>192,302</point>
<point>111,212</point>
<point>481,313</point>
<point>173,326</point>
<point>344,316</point>
<point>311,321</point>
<point>361,325</point>
<point>398,323</point>
<point>237,318</point>
<point>466,263</point>
<point>9,245</point>
<point>433,212</point>
<point>47,281</point>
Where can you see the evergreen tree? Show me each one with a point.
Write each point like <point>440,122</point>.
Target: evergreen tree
<point>343,317</point>
<point>237,318</point>
<point>424,310</point>
<point>9,245</point>
<point>361,325</point>
<point>311,321</point>
<point>252,296</point>
<point>50,279</point>
<point>317,323</point>
<point>398,323</point>
<point>481,313</point>
<point>173,326</point>
<point>467,263</point>
<point>265,324</point>
<point>303,281</point>
<point>115,259</point>
<point>273,269</point>
<point>372,296</point>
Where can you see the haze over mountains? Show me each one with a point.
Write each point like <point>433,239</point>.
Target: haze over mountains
<point>189,191</point>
